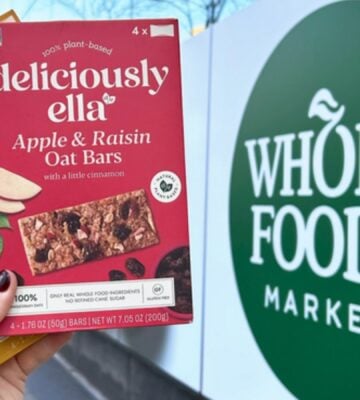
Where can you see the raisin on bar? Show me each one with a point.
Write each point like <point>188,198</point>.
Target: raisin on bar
<point>91,231</point>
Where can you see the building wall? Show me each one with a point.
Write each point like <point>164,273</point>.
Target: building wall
<point>217,355</point>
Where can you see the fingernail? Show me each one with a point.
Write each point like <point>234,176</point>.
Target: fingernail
<point>4,280</point>
<point>19,278</point>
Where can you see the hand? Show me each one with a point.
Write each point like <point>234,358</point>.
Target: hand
<point>13,373</point>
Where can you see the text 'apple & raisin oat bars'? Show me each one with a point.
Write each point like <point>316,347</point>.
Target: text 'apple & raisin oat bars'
<point>91,231</point>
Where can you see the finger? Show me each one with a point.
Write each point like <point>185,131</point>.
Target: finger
<point>8,285</point>
<point>42,351</point>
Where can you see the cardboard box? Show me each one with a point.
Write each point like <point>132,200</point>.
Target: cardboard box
<point>92,177</point>
<point>10,346</point>
<point>9,16</point>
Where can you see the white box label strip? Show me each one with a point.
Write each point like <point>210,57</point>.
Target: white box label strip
<point>86,297</point>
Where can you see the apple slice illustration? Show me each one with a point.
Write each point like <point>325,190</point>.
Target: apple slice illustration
<point>11,207</point>
<point>16,187</point>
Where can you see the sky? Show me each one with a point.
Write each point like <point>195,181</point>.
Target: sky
<point>40,10</point>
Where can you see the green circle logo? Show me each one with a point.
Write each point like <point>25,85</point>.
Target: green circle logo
<point>295,206</point>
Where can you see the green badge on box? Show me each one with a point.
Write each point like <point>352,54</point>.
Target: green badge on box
<point>295,206</point>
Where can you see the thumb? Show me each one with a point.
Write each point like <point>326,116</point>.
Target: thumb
<point>8,285</point>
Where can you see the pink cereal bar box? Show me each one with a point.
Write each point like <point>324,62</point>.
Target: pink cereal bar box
<point>93,198</point>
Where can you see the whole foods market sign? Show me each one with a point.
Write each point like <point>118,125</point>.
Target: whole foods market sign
<point>295,206</point>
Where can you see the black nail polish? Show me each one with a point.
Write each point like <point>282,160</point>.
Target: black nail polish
<point>19,278</point>
<point>4,281</point>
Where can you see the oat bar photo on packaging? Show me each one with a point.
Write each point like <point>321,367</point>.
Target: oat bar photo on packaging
<point>91,231</point>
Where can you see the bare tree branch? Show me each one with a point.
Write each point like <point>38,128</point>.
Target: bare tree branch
<point>79,10</point>
<point>29,8</point>
<point>189,12</point>
<point>220,9</point>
